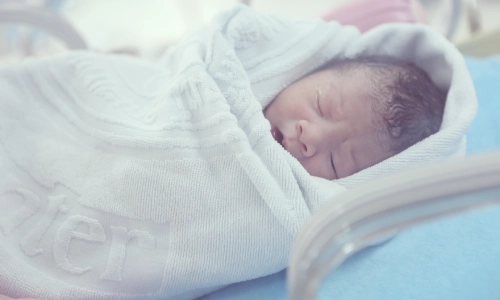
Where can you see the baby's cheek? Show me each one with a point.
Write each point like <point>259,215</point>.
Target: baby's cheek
<point>270,113</point>
<point>314,167</point>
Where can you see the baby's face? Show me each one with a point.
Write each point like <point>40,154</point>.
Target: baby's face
<point>326,122</point>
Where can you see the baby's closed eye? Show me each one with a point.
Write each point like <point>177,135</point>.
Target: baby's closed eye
<point>333,166</point>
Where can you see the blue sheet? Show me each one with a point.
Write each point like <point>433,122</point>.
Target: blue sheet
<point>456,258</point>
<point>484,133</point>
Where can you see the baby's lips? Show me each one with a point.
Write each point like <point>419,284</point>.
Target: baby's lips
<point>277,135</point>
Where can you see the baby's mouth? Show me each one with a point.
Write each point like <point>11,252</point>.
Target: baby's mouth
<point>277,135</point>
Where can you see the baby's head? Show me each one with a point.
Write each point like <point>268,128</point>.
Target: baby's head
<point>353,114</point>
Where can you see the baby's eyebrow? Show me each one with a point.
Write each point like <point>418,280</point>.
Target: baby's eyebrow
<point>318,93</point>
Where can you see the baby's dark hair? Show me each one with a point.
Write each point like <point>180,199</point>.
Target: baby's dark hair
<point>411,106</point>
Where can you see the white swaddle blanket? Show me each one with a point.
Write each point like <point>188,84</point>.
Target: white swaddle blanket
<point>121,179</point>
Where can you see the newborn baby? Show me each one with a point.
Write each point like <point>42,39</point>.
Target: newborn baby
<point>351,115</point>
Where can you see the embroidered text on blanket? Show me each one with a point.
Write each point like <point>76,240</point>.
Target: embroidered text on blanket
<point>73,230</point>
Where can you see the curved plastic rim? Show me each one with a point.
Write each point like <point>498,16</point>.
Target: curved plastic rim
<point>374,211</point>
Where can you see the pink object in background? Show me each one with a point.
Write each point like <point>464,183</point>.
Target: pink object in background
<point>366,14</point>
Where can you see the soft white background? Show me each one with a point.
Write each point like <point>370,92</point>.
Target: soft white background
<point>148,26</point>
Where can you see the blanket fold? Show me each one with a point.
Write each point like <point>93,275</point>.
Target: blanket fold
<point>123,179</point>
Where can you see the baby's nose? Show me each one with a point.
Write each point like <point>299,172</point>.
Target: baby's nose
<point>308,138</point>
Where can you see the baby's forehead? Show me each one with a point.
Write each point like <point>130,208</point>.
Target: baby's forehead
<point>366,91</point>
<point>358,82</point>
